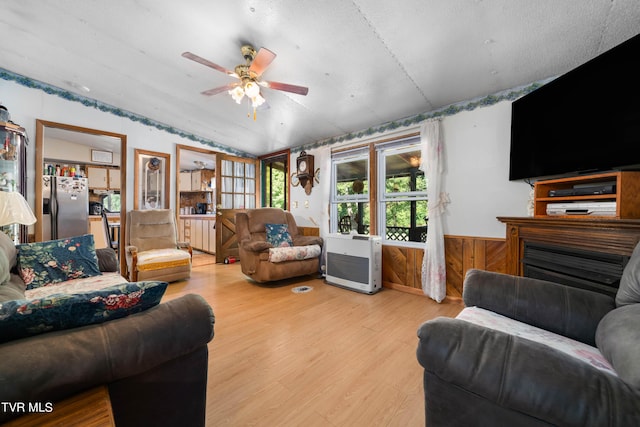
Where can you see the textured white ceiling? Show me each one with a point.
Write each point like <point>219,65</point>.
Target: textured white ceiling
<point>365,62</point>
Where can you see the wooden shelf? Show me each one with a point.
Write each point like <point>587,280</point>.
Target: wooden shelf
<point>626,194</point>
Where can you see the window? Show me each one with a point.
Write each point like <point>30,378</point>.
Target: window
<point>402,192</point>
<point>275,186</point>
<point>111,202</point>
<point>350,192</point>
<point>238,185</point>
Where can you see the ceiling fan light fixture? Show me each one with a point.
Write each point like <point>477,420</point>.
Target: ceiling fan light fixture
<point>251,89</point>
<point>257,100</point>
<point>249,75</point>
<point>237,94</point>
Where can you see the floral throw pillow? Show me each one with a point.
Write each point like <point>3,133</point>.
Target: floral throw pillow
<point>27,317</point>
<point>278,235</point>
<point>296,253</point>
<point>55,261</point>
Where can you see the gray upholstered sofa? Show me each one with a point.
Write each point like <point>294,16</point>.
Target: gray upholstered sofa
<point>153,363</point>
<point>566,357</point>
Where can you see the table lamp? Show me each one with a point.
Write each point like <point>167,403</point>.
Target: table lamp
<point>14,209</point>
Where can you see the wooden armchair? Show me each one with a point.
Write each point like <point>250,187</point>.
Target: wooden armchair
<point>152,250</point>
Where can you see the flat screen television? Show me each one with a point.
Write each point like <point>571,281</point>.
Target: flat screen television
<point>587,120</point>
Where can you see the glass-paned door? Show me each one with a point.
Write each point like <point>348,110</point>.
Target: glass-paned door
<point>236,187</point>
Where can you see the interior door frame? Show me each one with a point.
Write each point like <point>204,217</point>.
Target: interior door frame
<point>39,168</point>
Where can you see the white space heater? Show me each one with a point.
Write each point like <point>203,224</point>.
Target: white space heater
<point>354,261</point>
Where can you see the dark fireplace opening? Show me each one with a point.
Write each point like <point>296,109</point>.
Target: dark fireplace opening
<point>591,270</point>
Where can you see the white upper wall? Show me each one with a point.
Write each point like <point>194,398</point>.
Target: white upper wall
<point>475,176</point>
<point>476,173</point>
<point>476,159</point>
<point>26,105</point>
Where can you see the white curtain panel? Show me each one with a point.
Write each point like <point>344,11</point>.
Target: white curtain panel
<point>434,280</point>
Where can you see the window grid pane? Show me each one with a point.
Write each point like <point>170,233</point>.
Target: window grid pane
<point>227,168</point>
<point>355,216</point>
<point>402,195</point>
<point>238,169</point>
<point>250,170</point>
<point>350,210</point>
<point>238,191</point>
<point>406,221</point>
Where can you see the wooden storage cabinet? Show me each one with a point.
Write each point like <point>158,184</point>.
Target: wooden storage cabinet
<point>198,180</point>
<point>199,232</point>
<point>626,194</point>
<point>185,181</point>
<point>103,178</point>
<point>114,179</point>
<point>97,177</point>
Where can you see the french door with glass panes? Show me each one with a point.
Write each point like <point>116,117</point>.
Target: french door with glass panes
<point>236,191</point>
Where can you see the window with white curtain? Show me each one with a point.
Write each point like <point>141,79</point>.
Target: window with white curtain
<point>350,191</point>
<point>402,193</point>
<point>238,180</point>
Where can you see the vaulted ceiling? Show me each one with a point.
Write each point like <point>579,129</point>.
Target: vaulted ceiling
<point>365,62</point>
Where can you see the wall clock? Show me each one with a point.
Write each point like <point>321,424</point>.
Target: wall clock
<point>304,164</point>
<point>305,171</point>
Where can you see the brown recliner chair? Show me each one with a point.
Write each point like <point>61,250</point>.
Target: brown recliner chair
<point>152,249</point>
<point>255,253</point>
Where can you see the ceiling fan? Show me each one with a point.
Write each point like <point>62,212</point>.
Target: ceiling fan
<point>248,75</point>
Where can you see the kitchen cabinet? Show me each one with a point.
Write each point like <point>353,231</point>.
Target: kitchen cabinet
<point>114,179</point>
<point>103,178</point>
<point>199,231</point>
<point>197,180</point>
<point>196,228</point>
<point>201,179</point>
<point>195,189</point>
<point>96,227</point>
<point>185,181</point>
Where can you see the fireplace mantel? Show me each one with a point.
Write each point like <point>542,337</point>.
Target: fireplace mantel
<point>615,236</point>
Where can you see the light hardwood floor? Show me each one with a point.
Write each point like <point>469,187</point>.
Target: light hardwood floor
<point>329,357</point>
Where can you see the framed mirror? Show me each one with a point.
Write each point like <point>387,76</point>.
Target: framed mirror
<point>151,181</point>
<point>70,147</point>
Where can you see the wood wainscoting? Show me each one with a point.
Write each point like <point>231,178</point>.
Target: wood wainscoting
<point>402,266</point>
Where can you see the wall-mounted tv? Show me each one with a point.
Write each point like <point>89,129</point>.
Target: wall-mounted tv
<point>587,120</point>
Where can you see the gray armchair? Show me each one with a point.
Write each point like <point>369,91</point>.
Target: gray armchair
<point>479,376</point>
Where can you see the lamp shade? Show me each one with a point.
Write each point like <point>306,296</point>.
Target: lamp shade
<point>14,209</point>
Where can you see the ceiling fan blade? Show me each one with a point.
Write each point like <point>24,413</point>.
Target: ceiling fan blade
<point>194,57</point>
<point>217,90</point>
<point>300,90</point>
<point>263,59</point>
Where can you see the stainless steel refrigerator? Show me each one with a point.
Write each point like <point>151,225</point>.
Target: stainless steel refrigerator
<point>65,207</point>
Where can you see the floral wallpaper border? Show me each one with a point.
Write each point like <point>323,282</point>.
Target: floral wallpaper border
<point>508,95</point>
<point>88,102</point>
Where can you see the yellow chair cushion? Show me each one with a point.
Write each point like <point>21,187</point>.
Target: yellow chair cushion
<point>162,258</point>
